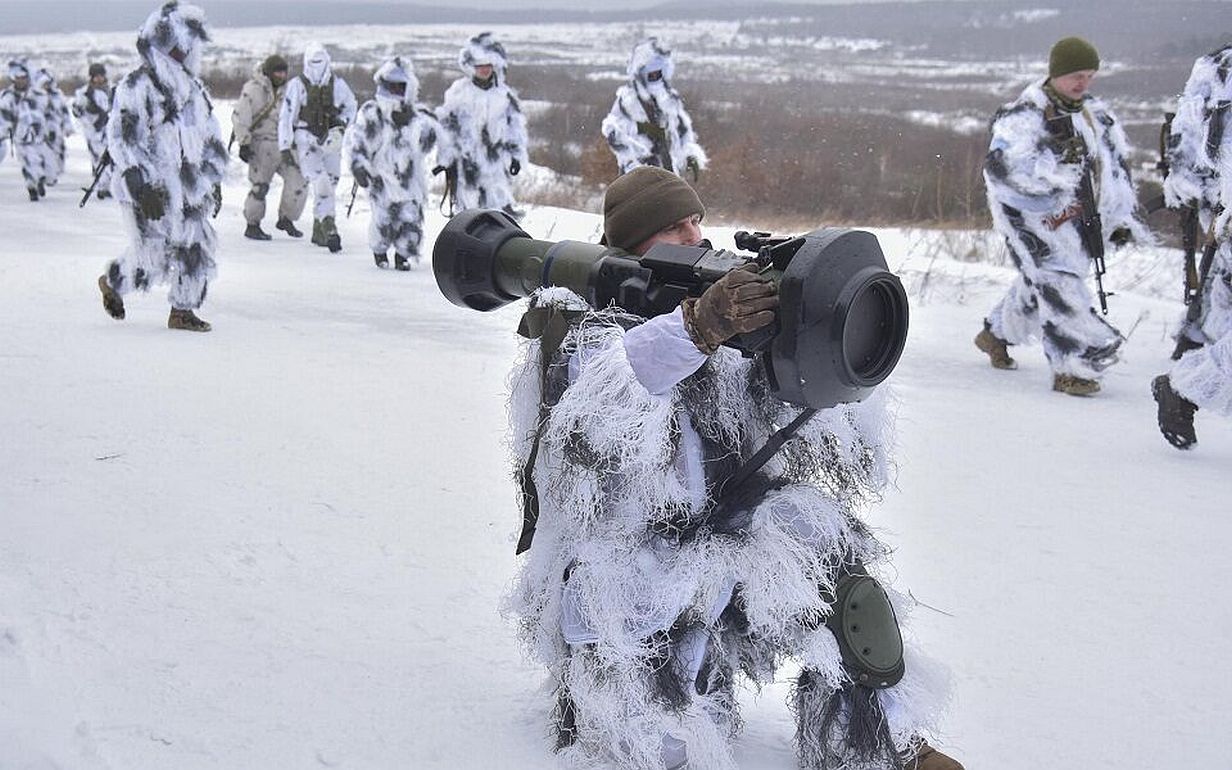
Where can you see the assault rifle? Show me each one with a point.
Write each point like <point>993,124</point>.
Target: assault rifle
<point>1188,213</point>
<point>103,163</point>
<point>1090,225</point>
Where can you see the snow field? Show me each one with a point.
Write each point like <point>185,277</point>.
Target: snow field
<point>283,544</point>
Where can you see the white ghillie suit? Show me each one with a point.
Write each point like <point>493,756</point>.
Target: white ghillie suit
<point>644,599</point>
<point>648,124</point>
<point>24,122</point>
<point>255,122</point>
<point>91,106</point>
<point>486,129</point>
<point>1204,375</point>
<point>390,140</point>
<point>1197,143</point>
<point>1030,181</point>
<point>59,123</point>
<point>167,147</point>
<point>315,112</point>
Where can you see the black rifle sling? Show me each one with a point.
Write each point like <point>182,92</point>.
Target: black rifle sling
<point>1215,127</point>
<point>549,325</point>
<point>763,455</point>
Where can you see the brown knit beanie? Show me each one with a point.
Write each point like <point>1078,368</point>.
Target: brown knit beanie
<point>1072,54</point>
<point>273,64</point>
<point>643,202</point>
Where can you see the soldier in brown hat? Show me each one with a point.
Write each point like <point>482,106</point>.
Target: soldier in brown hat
<point>255,123</point>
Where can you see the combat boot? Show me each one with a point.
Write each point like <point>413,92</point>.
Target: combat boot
<point>401,262</point>
<point>42,188</point>
<point>329,232</point>
<point>33,193</point>
<point>288,227</point>
<point>186,320</point>
<point>1074,386</point>
<point>382,260</point>
<point>928,758</point>
<point>113,303</point>
<point>255,233</point>
<point>1176,414</point>
<point>995,347</point>
<point>318,233</point>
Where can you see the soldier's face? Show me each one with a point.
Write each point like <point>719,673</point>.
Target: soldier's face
<point>21,82</point>
<point>278,77</point>
<point>98,81</point>
<point>483,71</point>
<point>685,232</point>
<point>1074,85</point>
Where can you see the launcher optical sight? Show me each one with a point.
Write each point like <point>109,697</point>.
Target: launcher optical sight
<point>842,318</point>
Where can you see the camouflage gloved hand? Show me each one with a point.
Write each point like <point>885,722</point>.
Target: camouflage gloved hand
<point>741,301</point>
<point>694,167</point>
<point>246,153</point>
<point>1121,236</point>
<point>288,157</point>
<point>514,167</point>
<point>217,199</point>
<point>361,177</point>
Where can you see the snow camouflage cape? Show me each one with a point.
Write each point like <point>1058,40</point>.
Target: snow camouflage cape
<point>1204,376</point>
<point>635,588</point>
<point>1200,140</point>
<point>162,134</point>
<point>91,107</point>
<point>23,119</point>
<point>1028,182</point>
<point>59,124</point>
<point>486,129</point>
<point>641,102</point>
<point>319,160</point>
<point>389,141</point>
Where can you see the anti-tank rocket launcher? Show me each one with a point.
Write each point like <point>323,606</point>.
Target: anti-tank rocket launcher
<point>842,318</point>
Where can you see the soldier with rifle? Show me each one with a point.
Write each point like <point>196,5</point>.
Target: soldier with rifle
<point>1199,182</point>
<point>1061,193</point>
<point>92,106</point>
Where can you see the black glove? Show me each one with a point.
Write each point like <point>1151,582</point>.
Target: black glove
<point>1121,236</point>
<point>217,199</point>
<point>694,167</point>
<point>361,177</point>
<point>148,199</point>
<point>246,153</point>
<point>741,301</point>
<point>288,157</point>
<point>514,167</point>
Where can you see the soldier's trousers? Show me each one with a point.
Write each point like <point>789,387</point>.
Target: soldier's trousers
<point>1204,375</point>
<point>35,160</point>
<point>322,169</point>
<point>1056,307</point>
<point>266,162</point>
<point>396,224</point>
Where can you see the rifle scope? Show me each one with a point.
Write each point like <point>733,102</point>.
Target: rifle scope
<point>842,317</point>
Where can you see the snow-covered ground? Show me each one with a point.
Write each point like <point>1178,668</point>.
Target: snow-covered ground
<point>283,544</point>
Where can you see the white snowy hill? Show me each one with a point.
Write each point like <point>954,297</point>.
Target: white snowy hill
<point>283,544</point>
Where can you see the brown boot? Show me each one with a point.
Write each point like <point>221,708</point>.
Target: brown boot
<point>186,320</point>
<point>1074,386</point>
<point>113,303</point>
<point>995,347</point>
<point>928,758</point>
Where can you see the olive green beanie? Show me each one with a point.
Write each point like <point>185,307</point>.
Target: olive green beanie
<point>1072,54</point>
<point>273,64</point>
<point>643,202</point>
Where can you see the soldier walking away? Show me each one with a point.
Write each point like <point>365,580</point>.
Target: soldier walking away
<point>1200,176</point>
<point>59,124</point>
<point>315,112</point>
<point>169,164</point>
<point>91,106</point>
<point>255,123</point>
<point>23,122</point>
<point>486,129</point>
<point>391,138</point>
<point>1060,192</point>
<point>648,124</point>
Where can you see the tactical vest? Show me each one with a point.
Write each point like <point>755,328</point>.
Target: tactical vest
<point>319,112</point>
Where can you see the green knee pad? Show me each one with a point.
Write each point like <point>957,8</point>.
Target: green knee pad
<point>863,621</point>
